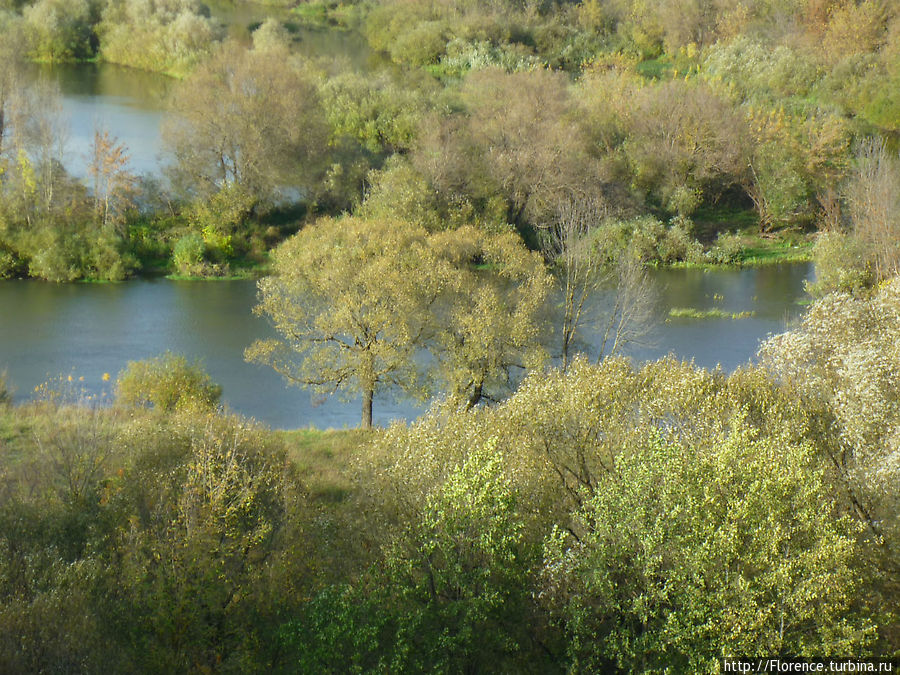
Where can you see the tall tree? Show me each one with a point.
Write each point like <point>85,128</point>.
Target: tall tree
<point>587,265</point>
<point>355,301</point>
<point>490,321</point>
<point>518,142</point>
<point>568,247</point>
<point>875,206</point>
<point>351,300</point>
<point>113,184</point>
<point>248,119</point>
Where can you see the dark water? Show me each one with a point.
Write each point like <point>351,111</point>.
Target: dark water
<point>87,330</point>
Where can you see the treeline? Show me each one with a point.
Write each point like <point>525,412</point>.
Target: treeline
<point>603,518</point>
<point>703,134</point>
<point>170,36</point>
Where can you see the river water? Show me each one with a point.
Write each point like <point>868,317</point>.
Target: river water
<point>86,330</point>
<point>130,104</point>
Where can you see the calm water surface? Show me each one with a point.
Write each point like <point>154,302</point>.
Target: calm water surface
<point>86,330</point>
<point>131,103</point>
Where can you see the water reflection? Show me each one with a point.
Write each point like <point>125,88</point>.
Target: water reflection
<point>127,103</point>
<point>89,329</point>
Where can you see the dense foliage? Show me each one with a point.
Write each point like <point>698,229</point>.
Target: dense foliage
<point>597,517</point>
<point>356,302</point>
<point>606,518</point>
<point>694,119</point>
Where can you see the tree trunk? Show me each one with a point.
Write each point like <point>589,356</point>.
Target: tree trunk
<point>475,397</point>
<point>368,395</point>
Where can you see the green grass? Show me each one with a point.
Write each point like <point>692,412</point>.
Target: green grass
<point>767,252</point>
<point>237,275</point>
<point>656,69</point>
<point>324,458</point>
<point>327,14</point>
<point>715,313</point>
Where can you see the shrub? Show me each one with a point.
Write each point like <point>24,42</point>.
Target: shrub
<point>678,245</point>
<point>841,265</point>
<point>685,553</point>
<point>10,264</point>
<point>646,234</point>
<point>727,250</point>
<point>187,256</point>
<point>56,258</point>
<point>420,46</point>
<point>168,382</point>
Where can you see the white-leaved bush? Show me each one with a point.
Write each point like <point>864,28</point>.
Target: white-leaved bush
<point>844,357</point>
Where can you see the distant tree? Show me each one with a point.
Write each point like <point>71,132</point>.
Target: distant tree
<point>113,185</point>
<point>351,300</point>
<point>246,119</point>
<point>795,160</point>
<point>172,36</point>
<point>58,30</point>
<point>11,54</point>
<point>874,200</point>
<point>569,249</point>
<point>686,146</point>
<point>375,110</point>
<point>489,321</point>
<point>603,282</point>
<point>518,142</point>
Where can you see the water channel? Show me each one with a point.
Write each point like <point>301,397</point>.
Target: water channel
<point>131,104</point>
<point>86,330</point>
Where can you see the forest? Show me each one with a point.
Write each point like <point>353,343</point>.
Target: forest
<point>414,225</point>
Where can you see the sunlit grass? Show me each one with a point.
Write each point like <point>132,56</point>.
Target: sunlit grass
<point>715,313</point>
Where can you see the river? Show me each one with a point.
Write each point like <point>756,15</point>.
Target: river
<point>130,104</point>
<point>86,330</point>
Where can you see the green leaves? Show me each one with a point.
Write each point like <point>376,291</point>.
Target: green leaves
<point>689,553</point>
<point>167,383</point>
<point>354,300</point>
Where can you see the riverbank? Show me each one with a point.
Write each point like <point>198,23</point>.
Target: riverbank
<point>91,329</point>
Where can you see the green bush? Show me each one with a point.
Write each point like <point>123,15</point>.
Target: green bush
<point>55,258</point>
<point>420,46</point>
<point>187,256</point>
<point>10,264</point>
<point>678,245</point>
<point>841,265</point>
<point>106,260</point>
<point>646,234</point>
<point>168,382</point>
<point>727,250</point>
<point>687,553</point>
